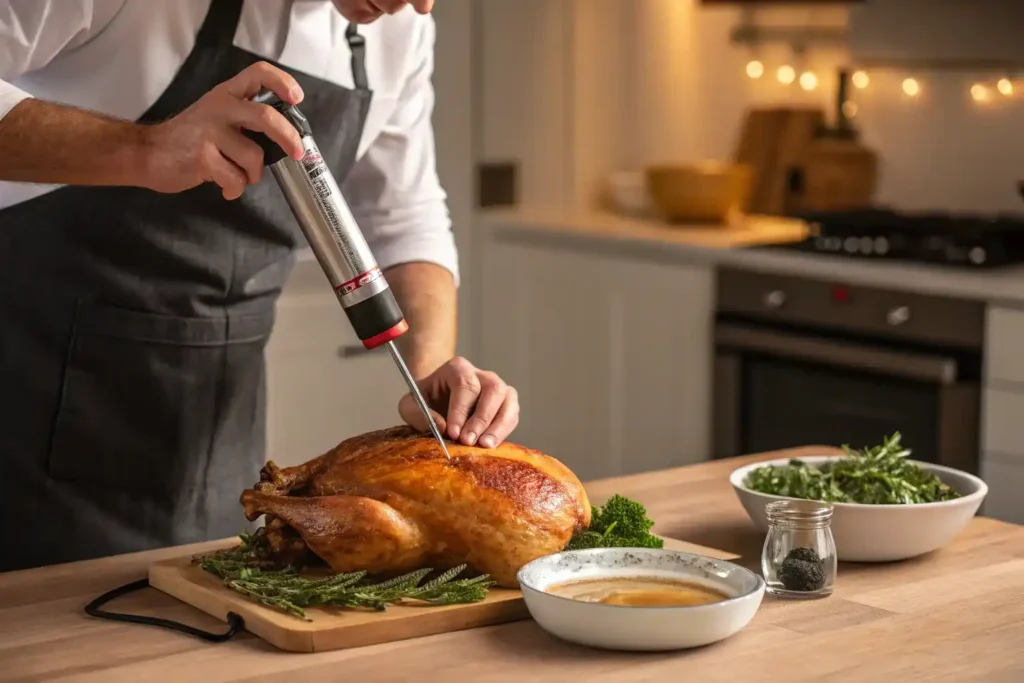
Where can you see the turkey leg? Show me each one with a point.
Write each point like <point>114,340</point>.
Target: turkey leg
<point>274,479</point>
<point>349,533</point>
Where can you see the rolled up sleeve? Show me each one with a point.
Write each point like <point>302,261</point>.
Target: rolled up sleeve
<point>32,32</point>
<point>9,97</point>
<point>394,190</point>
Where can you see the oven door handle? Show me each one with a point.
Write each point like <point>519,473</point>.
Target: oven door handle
<point>936,369</point>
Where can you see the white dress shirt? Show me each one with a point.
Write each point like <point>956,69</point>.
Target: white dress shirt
<point>118,56</point>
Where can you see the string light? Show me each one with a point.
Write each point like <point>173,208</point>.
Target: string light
<point>789,73</point>
<point>979,92</point>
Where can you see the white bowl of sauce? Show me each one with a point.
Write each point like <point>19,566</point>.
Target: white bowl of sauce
<point>639,599</point>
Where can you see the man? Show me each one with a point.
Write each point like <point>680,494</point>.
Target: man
<point>142,248</point>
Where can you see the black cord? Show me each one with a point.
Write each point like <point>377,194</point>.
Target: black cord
<point>235,622</point>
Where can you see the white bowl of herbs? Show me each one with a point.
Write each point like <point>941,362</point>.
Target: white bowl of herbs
<point>886,507</point>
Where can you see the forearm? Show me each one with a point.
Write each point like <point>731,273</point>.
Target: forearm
<point>427,294</point>
<point>43,142</point>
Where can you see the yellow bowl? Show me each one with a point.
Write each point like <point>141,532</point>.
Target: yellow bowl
<point>709,192</point>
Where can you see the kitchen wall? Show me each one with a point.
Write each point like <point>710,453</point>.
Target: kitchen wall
<point>573,89</point>
<point>455,139</point>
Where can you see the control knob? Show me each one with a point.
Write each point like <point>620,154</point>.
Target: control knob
<point>898,315</point>
<point>775,299</point>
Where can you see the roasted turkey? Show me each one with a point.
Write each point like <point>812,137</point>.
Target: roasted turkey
<point>389,502</point>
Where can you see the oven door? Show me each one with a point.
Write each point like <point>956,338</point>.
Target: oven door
<point>778,389</point>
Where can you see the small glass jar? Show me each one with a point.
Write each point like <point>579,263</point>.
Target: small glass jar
<point>799,556</point>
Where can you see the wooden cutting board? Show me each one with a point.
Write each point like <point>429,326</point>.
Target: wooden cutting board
<point>757,147</point>
<point>338,628</point>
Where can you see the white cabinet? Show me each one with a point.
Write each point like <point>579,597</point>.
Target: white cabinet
<point>321,388</point>
<point>1001,426</point>
<point>611,354</point>
<point>1002,432</point>
<point>1005,478</point>
<point>1004,334</point>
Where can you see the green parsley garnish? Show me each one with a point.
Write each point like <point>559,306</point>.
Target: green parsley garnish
<point>619,523</point>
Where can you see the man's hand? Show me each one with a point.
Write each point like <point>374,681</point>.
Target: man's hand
<point>205,143</point>
<point>471,405</point>
<point>367,11</point>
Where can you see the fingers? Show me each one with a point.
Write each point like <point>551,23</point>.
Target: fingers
<point>218,169</point>
<point>464,387</point>
<point>262,118</point>
<point>265,119</point>
<point>506,420</point>
<point>244,153</point>
<point>482,410</point>
<point>261,75</point>
<point>411,414</point>
<point>490,400</point>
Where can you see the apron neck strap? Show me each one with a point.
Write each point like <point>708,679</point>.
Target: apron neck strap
<point>221,23</point>
<point>357,45</point>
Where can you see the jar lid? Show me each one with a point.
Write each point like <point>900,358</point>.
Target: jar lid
<point>798,511</point>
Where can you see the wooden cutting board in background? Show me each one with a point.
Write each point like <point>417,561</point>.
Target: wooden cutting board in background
<point>338,628</point>
<point>757,148</point>
<point>797,168</point>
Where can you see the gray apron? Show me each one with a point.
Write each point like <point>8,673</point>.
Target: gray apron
<point>132,334</point>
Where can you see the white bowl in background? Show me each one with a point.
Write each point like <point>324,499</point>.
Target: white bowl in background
<point>617,627</point>
<point>628,194</point>
<point>881,533</point>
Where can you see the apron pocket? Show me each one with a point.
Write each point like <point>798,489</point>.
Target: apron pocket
<point>143,397</point>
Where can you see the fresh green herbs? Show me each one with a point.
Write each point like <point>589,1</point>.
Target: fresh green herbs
<point>285,589</point>
<point>619,523</point>
<point>881,475</point>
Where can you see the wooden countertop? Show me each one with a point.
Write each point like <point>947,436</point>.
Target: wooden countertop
<point>956,615</point>
<point>743,231</point>
<point>735,245</point>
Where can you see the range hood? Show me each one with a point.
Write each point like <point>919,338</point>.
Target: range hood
<point>937,33</point>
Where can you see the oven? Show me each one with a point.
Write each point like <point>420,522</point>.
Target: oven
<point>803,361</point>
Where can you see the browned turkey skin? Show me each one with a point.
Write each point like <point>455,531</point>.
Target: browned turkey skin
<point>390,502</point>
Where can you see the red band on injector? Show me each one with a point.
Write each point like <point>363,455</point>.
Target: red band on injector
<point>387,335</point>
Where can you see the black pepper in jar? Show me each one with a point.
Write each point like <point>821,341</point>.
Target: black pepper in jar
<point>799,555</point>
<point>802,570</point>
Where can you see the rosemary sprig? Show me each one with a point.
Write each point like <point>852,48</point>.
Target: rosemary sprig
<point>243,570</point>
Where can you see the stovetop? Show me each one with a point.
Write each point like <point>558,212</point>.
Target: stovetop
<point>967,240</point>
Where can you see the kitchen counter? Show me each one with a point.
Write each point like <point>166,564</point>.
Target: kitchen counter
<point>731,246</point>
<point>955,615</point>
